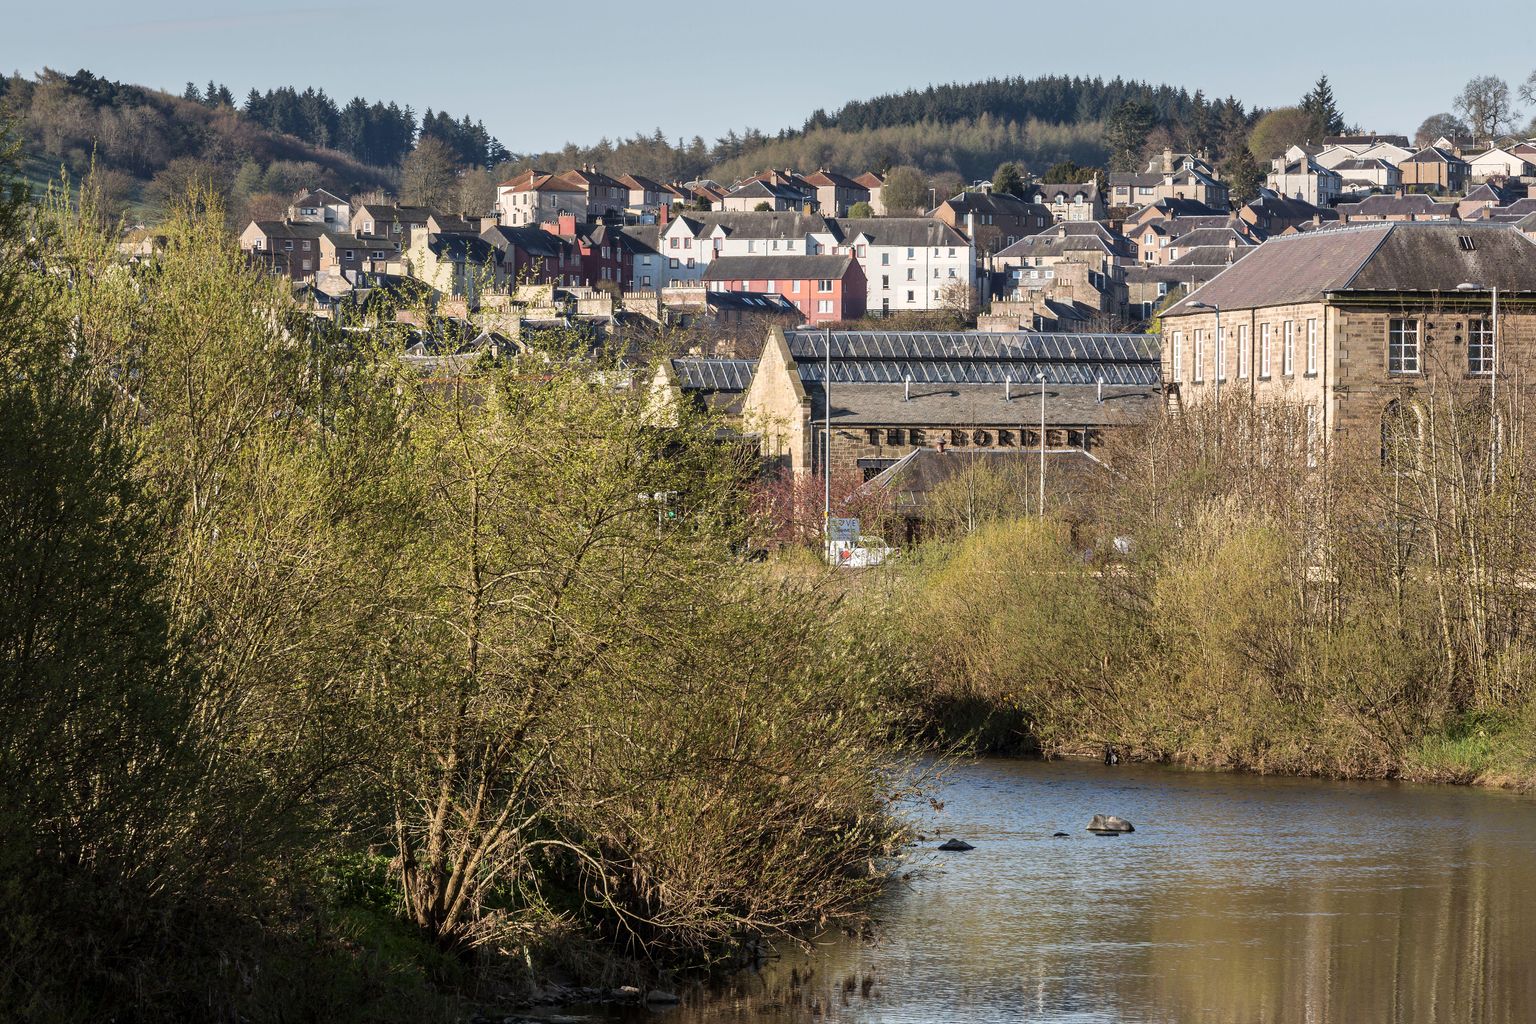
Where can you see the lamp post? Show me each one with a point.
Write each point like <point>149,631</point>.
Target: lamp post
<point>1041,378</point>
<point>1493,382</point>
<point>826,447</point>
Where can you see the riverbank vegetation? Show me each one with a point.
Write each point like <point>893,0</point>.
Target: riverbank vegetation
<point>334,689</point>
<point>1233,597</point>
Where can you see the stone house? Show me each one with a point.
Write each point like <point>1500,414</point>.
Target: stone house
<point>285,246</point>
<point>1075,202</point>
<point>993,221</point>
<point>836,193</point>
<point>1346,321</point>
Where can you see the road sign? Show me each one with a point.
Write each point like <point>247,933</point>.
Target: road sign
<point>842,529</point>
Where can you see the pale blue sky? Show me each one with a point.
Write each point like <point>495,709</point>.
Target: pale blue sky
<point>536,76</point>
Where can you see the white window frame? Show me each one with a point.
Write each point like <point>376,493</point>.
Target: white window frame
<point>1288,348</point>
<point>1242,351</point>
<point>1198,376</point>
<point>1405,334</point>
<point>1311,344</point>
<point>1265,354</point>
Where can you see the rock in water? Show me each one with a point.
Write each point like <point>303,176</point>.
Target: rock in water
<point>1060,835</point>
<point>959,845</point>
<point>1109,823</point>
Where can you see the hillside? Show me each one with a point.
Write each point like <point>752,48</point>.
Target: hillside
<point>147,144</point>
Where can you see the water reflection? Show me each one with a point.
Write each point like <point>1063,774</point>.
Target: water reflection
<point>1237,899</point>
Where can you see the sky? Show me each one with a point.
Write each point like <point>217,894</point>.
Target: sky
<point>543,74</point>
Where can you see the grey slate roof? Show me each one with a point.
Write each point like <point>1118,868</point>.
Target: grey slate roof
<point>756,223</point>
<point>913,231</point>
<point>1418,257</point>
<point>976,357</point>
<point>790,267</point>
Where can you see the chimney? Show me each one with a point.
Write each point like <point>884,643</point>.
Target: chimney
<point>664,214</point>
<point>566,225</point>
<point>970,226</point>
<point>1167,161</point>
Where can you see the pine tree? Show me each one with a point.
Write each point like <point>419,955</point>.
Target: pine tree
<point>1325,112</point>
<point>191,93</point>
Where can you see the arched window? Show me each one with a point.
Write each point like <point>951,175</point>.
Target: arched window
<point>1402,436</point>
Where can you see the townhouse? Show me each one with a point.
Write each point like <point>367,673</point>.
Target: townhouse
<point>536,198</point>
<point>992,221</point>
<point>1174,176</point>
<point>1435,170</point>
<point>836,193</point>
<point>1297,175</point>
<point>1073,201</point>
<point>285,246</point>
<point>909,263</point>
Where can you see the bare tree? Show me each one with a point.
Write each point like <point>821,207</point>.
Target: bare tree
<point>1487,105</point>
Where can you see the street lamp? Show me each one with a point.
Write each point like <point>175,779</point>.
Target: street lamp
<point>1041,378</point>
<point>1493,383</point>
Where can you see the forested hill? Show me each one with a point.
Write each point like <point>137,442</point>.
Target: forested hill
<point>1054,99</point>
<point>147,144</point>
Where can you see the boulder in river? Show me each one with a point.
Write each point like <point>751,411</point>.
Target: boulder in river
<point>958,845</point>
<point>1109,823</point>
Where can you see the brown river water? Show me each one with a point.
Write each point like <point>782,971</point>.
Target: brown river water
<point>1237,899</point>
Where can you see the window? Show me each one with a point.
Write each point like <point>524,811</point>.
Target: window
<point>645,280</point>
<point>1221,353</point>
<point>1178,356</point>
<point>885,259</point>
<point>824,285</point>
<point>859,249</point>
<point>911,274</point>
<point>952,272</point>
<point>308,245</point>
<point>257,245</point>
<point>645,261</point>
<point>773,285</point>
<point>911,253</point>
<point>1311,346</point>
<point>350,254</point>
<point>675,242</point>
<point>288,245</point>
<point>1242,351</point>
<point>1264,351</point>
<point>690,263</point>
<point>1479,347</point>
<point>308,263</point>
<point>951,252</point>
<point>911,297</point>
<point>368,227</point>
<point>1288,348</point>
<point>1402,346</point>
<point>751,245</point>
<point>885,280</point>
<point>671,262</point>
<point>824,306</point>
<point>775,245</point>
<point>1199,374</point>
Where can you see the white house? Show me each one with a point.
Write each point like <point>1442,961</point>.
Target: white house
<point>1498,163</point>
<point>909,263</point>
<point>1299,176</point>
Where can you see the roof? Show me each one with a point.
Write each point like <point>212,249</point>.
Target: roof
<point>1434,154</point>
<point>996,203</point>
<point>1089,190</point>
<point>1388,257</point>
<point>784,267</point>
<point>825,179</point>
<point>288,229</point>
<point>910,231</point>
<point>976,357</point>
<point>644,184</point>
<point>754,223</point>
<point>1385,205</point>
<point>319,197</point>
<point>532,239</point>
<point>460,246</point>
<point>869,179</point>
<point>703,373</point>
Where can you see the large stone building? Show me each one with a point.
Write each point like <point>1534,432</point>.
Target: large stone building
<point>1347,320</point>
<point>894,393</point>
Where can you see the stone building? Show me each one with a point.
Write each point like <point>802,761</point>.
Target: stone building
<point>1347,320</point>
<point>896,392</point>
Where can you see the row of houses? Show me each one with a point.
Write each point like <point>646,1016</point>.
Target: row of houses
<point>1357,166</point>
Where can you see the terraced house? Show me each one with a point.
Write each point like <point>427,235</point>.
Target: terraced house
<point>1349,321</point>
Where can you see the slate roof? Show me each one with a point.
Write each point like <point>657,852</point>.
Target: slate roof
<point>1066,190</point>
<point>996,204</point>
<point>976,357</point>
<point>783,267</point>
<point>826,179</point>
<point>1388,205</point>
<point>756,223</point>
<point>911,231</point>
<point>869,179</point>
<point>533,240</point>
<point>1394,257</point>
<point>461,246</point>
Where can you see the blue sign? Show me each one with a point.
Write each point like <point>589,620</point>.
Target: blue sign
<point>842,529</point>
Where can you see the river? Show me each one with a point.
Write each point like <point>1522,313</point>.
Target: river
<point>1237,899</point>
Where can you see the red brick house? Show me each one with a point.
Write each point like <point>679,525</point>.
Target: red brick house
<point>826,289</point>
